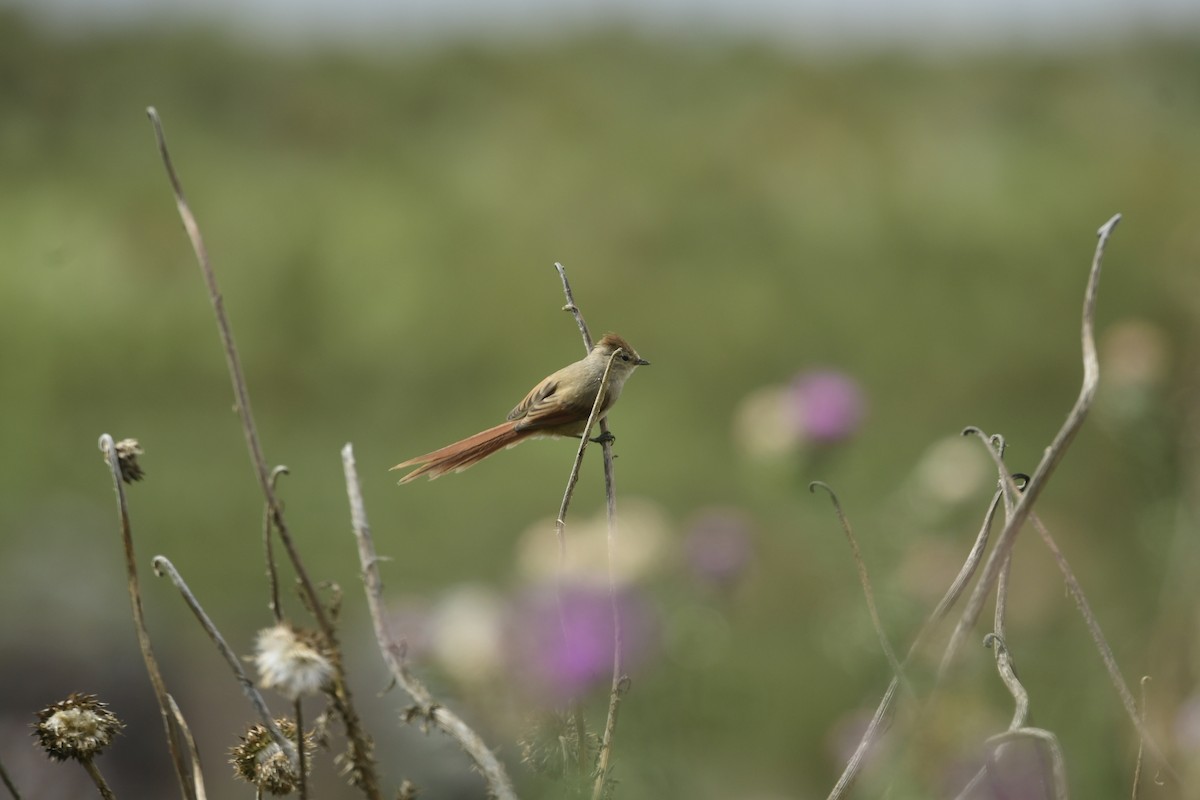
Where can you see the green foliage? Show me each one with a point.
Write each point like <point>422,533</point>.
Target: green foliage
<point>384,225</point>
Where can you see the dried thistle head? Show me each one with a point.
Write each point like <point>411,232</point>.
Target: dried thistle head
<point>128,451</point>
<point>260,761</point>
<point>292,661</point>
<point>79,728</point>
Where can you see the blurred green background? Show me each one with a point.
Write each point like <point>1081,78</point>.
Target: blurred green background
<point>384,225</point>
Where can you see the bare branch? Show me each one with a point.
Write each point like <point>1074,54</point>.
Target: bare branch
<point>393,651</point>
<point>108,447</point>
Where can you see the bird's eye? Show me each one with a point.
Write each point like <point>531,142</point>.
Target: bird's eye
<point>624,357</point>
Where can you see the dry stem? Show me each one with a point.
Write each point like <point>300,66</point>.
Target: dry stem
<point>139,620</point>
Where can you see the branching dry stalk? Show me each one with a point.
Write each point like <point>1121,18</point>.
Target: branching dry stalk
<point>163,566</point>
<point>108,447</point>
<point>393,652</point>
<point>362,763</point>
<point>620,682</point>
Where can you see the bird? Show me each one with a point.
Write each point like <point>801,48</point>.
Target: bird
<point>559,405</point>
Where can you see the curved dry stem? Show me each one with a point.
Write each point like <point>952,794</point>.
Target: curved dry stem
<point>193,751</point>
<point>363,765</point>
<point>393,652</point>
<point>108,447</point>
<point>163,566</point>
<point>865,581</point>
<point>1053,455</point>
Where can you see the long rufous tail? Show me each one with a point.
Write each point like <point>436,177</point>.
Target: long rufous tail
<point>462,454</point>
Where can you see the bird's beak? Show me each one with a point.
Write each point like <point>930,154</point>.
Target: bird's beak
<point>641,362</point>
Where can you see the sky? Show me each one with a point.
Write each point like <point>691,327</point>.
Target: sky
<point>809,23</point>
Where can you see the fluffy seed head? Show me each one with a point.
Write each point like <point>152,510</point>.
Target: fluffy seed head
<point>291,661</point>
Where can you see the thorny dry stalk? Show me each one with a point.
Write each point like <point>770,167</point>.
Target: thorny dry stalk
<point>108,447</point>
<point>393,652</point>
<point>1137,765</point>
<point>361,758</point>
<point>865,581</point>
<point>620,682</point>
<point>163,566</point>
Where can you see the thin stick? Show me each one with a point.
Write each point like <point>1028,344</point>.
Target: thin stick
<point>301,773</point>
<point>98,779</point>
<point>139,619</point>
<point>163,566</point>
<point>8,784</point>
<point>393,651</point>
<point>1102,646</point>
<point>269,550</point>
<point>193,751</point>
<point>865,581</point>
<point>360,745</point>
<point>1053,455</point>
<point>1137,766</point>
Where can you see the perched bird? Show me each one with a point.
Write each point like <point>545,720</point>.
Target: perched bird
<point>558,406</point>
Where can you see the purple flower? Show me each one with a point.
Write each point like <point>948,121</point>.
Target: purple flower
<point>826,406</point>
<point>561,653</point>
<point>718,545</point>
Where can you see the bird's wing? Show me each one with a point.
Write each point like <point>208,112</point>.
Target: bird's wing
<point>546,407</point>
